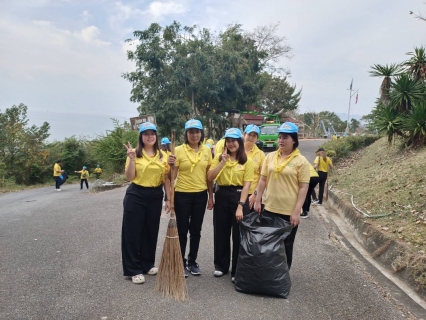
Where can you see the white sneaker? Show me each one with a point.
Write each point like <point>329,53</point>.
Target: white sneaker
<point>153,271</point>
<point>218,273</point>
<point>139,278</point>
<point>58,190</point>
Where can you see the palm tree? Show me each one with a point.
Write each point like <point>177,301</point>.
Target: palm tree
<point>416,65</point>
<point>387,120</point>
<point>415,124</point>
<point>386,71</point>
<point>405,91</point>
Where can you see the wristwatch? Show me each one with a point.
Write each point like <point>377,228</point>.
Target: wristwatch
<point>241,203</point>
<point>255,192</point>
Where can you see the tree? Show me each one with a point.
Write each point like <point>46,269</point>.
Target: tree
<point>416,65</point>
<point>109,148</point>
<point>184,73</point>
<point>22,147</point>
<point>386,71</point>
<point>330,118</point>
<point>275,47</point>
<point>355,124</point>
<point>404,91</point>
<point>277,95</point>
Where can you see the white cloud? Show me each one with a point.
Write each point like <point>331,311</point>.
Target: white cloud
<point>90,35</point>
<point>159,9</point>
<point>86,15</point>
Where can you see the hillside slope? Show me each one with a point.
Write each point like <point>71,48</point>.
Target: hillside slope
<point>388,183</point>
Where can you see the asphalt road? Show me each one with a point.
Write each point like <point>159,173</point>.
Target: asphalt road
<point>60,259</point>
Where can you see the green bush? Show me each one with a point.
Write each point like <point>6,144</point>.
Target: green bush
<point>342,147</point>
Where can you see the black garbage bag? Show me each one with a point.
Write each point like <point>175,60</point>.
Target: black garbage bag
<point>63,177</point>
<point>262,262</point>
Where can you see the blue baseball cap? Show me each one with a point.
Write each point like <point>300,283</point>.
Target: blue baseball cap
<point>147,126</point>
<point>208,145</point>
<point>288,127</point>
<point>193,124</point>
<point>165,140</point>
<point>252,128</point>
<point>84,167</point>
<point>234,133</point>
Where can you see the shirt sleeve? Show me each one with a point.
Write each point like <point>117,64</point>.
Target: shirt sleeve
<point>215,162</point>
<point>304,175</point>
<point>265,164</point>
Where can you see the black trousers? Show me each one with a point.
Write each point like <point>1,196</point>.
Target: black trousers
<point>312,184</point>
<point>224,221</point>
<point>57,182</point>
<point>141,222</point>
<point>190,208</point>
<point>322,180</point>
<point>81,183</point>
<point>289,241</point>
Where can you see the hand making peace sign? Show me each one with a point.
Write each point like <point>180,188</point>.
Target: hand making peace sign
<point>225,155</point>
<point>130,152</point>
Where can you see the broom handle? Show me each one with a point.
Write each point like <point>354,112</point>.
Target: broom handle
<point>172,181</point>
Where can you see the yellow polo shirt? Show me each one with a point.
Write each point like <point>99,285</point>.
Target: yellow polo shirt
<point>233,173</point>
<point>258,157</point>
<point>313,172</point>
<point>98,170</point>
<point>210,142</point>
<point>150,172</point>
<point>282,192</point>
<point>195,181</point>
<point>323,165</point>
<point>219,146</point>
<point>56,167</point>
<point>84,174</point>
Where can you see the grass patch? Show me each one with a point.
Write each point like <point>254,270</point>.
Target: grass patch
<point>390,180</point>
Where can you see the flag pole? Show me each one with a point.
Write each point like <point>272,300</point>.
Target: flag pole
<point>349,110</point>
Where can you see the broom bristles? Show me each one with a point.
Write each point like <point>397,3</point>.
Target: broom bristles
<point>170,280</point>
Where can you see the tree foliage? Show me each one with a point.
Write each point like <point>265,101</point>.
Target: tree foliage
<point>188,72</point>
<point>22,147</point>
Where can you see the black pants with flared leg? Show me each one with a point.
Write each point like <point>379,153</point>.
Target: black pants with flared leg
<point>190,208</point>
<point>224,222</point>
<point>141,222</point>
<point>322,180</point>
<point>289,241</point>
<point>312,184</point>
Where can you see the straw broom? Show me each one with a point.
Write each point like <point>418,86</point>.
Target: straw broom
<point>170,278</point>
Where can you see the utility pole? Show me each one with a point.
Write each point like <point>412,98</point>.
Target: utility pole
<point>349,110</point>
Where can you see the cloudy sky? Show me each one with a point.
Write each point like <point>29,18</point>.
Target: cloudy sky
<point>64,58</point>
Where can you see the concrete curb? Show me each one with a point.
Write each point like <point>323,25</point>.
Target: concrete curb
<point>389,253</point>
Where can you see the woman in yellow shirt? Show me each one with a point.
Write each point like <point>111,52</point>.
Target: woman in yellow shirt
<point>57,171</point>
<point>285,175</point>
<point>147,169</point>
<point>313,181</point>
<point>322,163</point>
<point>233,171</point>
<point>84,176</point>
<point>251,134</point>
<point>192,160</point>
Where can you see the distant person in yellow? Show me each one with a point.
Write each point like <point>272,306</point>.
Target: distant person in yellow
<point>233,171</point>
<point>285,175</point>
<point>334,137</point>
<point>165,146</point>
<point>146,167</point>
<point>84,176</point>
<point>210,143</point>
<point>314,179</point>
<point>251,134</point>
<point>193,192</point>
<point>98,171</point>
<point>322,164</point>
<point>57,171</point>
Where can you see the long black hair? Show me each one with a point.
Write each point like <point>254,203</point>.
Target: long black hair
<point>241,153</point>
<point>201,139</point>
<point>141,145</point>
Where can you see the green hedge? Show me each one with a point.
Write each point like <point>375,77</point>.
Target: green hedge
<point>342,147</point>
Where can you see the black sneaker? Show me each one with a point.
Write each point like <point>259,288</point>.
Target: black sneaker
<point>304,215</point>
<point>194,268</point>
